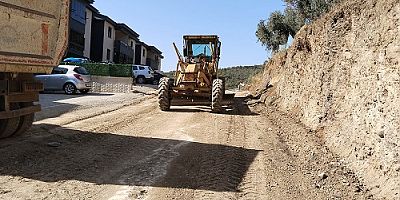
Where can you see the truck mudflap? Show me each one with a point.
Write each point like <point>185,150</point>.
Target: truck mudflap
<point>20,112</point>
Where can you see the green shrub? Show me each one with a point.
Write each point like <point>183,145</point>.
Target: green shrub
<point>114,70</point>
<point>120,70</point>
<point>240,74</point>
<point>97,69</point>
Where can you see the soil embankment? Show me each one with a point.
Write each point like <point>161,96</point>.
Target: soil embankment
<point>341,78</point>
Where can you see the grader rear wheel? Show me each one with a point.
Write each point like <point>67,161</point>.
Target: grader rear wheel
<point>217,96</point>
<point>164,101</point>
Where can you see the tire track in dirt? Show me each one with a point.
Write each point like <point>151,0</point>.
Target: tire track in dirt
<point>213,171</point>
<point>104,150</point>
<point>150,168</point>
<point>86,113</point>
<point>140,174</point>
<point>254,183</point>
<point>217,169</point>
<point>140,152</point>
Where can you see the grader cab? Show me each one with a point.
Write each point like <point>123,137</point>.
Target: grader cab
<point>196,79</point>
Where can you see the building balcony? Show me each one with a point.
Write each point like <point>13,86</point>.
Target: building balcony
<point>123,52</point>
<point>154,64</point>
<point>123,48</point>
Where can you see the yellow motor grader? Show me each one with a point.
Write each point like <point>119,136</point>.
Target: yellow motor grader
<point>196,80</point>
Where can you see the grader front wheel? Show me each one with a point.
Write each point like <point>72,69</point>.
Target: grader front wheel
<point>217,95</point>
<point>164,101</point>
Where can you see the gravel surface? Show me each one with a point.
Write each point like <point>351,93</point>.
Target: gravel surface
<point>121,146</point>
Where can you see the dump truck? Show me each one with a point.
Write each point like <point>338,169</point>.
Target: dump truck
<point>196,81</point>
<point>33,40</point>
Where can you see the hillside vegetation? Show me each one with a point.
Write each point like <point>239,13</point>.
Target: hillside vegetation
<point>275,31</point>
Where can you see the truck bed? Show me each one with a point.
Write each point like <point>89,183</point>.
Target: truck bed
<point>34,35</point>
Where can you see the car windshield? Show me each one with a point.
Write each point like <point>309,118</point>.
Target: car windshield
<point>81,70</point>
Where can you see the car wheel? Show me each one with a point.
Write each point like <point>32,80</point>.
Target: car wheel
<point>84,91</point>
<point>155,82</point>
<point>140,80</point>
<point>69,88</point>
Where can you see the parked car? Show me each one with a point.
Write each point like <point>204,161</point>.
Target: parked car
<point>76,60</point>
<point>67,78</point>
<point>142,74</point>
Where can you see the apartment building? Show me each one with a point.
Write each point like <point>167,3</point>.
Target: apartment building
<point>102,39</point>
<point>77,30</point>
<point>125,44</point>
<point>154,57</point>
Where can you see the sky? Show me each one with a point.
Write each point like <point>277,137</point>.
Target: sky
<point>162,22</point>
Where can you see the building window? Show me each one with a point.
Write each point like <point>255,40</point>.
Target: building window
<point>78,9</point>
<point>144,52</point>
<point>109,32</point>
<point>77,38</point>
<point>108,54</point>
<point>131,43</point>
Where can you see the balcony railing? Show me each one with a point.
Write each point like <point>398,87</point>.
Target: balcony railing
<point>122,48</point>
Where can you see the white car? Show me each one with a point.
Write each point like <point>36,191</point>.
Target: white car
<point>67,78</point>
<point>142,73</point>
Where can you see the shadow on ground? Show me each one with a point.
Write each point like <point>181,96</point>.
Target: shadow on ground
<point>53,106</point>
<point>238,106</point>
<point>53,153</point>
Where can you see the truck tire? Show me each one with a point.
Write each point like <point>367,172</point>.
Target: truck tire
<point>223,87</point>
<point>217,96</point>
<point>25,121</point>
<point>164,100</point>
<point>9,126</point>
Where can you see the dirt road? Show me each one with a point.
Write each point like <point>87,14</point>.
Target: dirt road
<point>123,147</point>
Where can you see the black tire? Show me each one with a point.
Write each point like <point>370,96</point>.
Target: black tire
<point>140,80</point>
<point>25,122</point>
<point>156,82</point>
<point>9,126</point>
<point>223,87</point>
<point>164,100</point>
<point>217,96</point>
<point>84,91</point>
<point>69,89</point>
